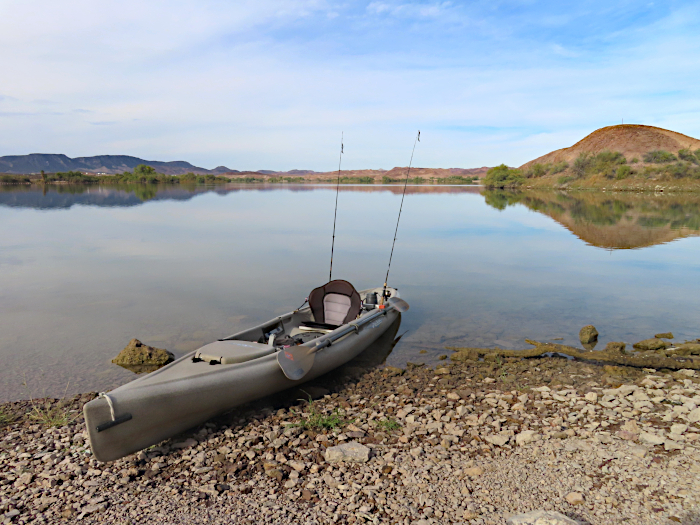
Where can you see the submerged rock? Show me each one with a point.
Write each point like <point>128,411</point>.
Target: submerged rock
<point>614,346</point>
<point>652,344</point>
<point>588,334</point>
<point>139,357</point>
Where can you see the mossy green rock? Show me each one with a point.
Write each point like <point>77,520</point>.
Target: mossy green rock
<point>138,354</point>
<point>664,335</point>
<point>652,344</point>
<point>588,334</point>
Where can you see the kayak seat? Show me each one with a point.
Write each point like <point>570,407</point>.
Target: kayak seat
<point>333,304</point>
<point>232,351</point>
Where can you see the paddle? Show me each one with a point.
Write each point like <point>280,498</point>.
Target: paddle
<point>296,361</point>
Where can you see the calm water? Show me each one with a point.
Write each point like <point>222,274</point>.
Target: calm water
<point>84,270</point>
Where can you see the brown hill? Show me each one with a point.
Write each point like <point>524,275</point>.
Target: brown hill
<point>632,140</point>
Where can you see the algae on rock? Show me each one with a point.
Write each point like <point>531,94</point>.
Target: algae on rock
<point>139,357</point>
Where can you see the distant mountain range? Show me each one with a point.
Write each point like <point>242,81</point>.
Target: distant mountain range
<point>112,164</point>
<point>107,164</point>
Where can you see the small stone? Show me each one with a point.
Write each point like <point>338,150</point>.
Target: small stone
<point>669,444</point>
<point>453,396</point>
<point>290,484</point>
<point>664,335</point>
<point>275,474</point>
<point>474,472</point>
<point>392,371</point>
<point>306,495</point>
<point>296,465</point>
<point>574,498</point>
<point>499,440</point>
<point>185,444</point>
<point>588,334</point>
<point>638,451</point>
<point>693,416</point>
<point>348,452</point>
<point>652,439</point>
<point>678,429</point>
<point>489,380</point>
<point>627,435</point>
<point>525,437</point>
<point>591,397</point>
<point>541,517</point>
<point>442,371</point>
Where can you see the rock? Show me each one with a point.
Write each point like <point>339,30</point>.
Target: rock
<point>306,495</point>
<point>687,349</point>
<point>615,347</point>
<point>137,354</point>
<point>498,439</point>
<point>638,451</point>
<point>669,444</point>
<point>442,371</point>
<point>664,335</point>
<point>652,439</point>
<point>525,437</point>
<point>651,344</point>
<point>453,396</point>
<point>574,498</point>
<point>588,334</point>
<point>275,474</point>
<point>474,472</point>
<point>189,442</point>
<point>591,397</point>
<point>541,517</point>
<point>693,416</point>
<point>627,435</point>
<point>678,429</point>
<point>392,371</point>
<point>348,452</point>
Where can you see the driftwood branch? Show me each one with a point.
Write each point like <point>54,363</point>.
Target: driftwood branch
<point>614,355</point>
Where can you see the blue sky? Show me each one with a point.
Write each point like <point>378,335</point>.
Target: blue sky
<point>271,84</point>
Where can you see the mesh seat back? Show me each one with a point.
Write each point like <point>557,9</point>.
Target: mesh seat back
<point>335,303</point>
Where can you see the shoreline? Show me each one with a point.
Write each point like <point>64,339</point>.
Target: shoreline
<point>464,442</point>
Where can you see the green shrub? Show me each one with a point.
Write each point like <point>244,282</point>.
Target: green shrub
<point>688,156</point>
<point>623,172</point>
<point>503,177</point>
<point>564,179</point>
<point>581,165</point>
<point>559,167</point>
<point>634,160</point>
<point>697,153</point>
<point>659,157</point>
<point>537,170</point>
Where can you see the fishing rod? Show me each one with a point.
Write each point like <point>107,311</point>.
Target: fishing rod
<point>386,279</point>
<point>335,214</point>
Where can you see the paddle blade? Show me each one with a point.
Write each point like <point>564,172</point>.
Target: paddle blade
<point>295,361</point>
<point>398,304</point>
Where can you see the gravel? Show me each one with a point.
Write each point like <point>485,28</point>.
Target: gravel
<point>472,442</point>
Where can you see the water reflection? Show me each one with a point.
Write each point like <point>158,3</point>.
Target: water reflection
<point>83,270</point>
<point>612,221</point>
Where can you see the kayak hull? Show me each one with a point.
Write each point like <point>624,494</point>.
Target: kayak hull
<point>187,393</point>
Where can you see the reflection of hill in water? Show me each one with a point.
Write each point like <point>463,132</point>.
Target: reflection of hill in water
<point>614,221</point>
<point>66,196</point>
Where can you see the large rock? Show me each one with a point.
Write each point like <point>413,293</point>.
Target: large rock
<point>137,354</point>
<point>687,349</point>
<point>348,452</point>
<point>541,517</point>
<point>588,334</point>
<point>652,344</point>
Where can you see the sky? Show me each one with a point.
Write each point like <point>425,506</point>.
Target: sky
<point>272,84</point>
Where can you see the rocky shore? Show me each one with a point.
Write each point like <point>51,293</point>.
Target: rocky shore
<point>474,442</point>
